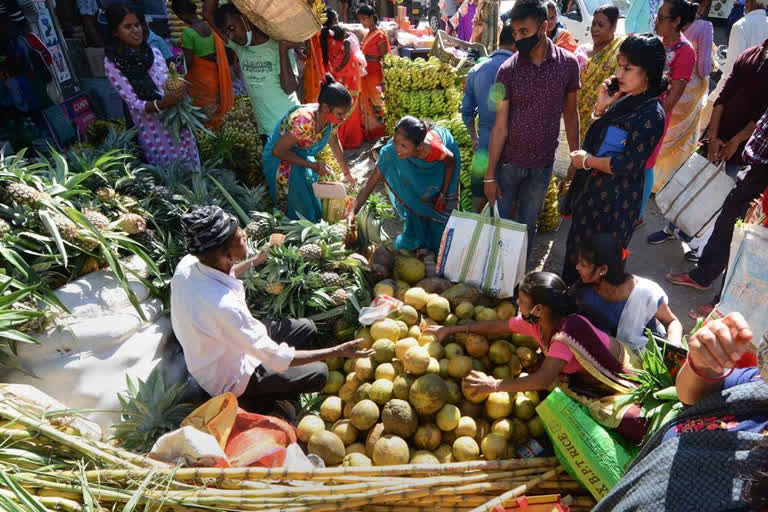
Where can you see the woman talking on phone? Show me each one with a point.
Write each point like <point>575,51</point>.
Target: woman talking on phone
<point>606,192</point>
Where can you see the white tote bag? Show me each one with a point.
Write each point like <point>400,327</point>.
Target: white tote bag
<point>483,250</point>
<point>693,197</point>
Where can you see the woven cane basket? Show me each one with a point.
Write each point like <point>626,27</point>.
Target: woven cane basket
<point>283,20</point>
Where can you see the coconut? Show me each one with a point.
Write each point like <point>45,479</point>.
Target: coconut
<point>505,310</point>
<point>427,436</point>
<point>385,328</point>
<point>498,405</point>
<point>356,460</point>
<point>535,427</point>
<point>434,284</point>
<point>381,391</point>
<point>433,367</point>
<point>335,363</point>
<point>347,412</point>
<point>526,356</point>
<point>453,350</point>
<point>364,368</point>
<point>402,346</point>
<point>444,453</point>
<point>390,450</point>
<point>466,427</point>
<point>424,457</point>
<point>385,371</point>
<point>309,425</point>
<point>485,315</point>
<point>451,320</point>
<point>414,331</point>
<point>471,409</point>
<point>478,365</point>
<point>347,393</point>
<point>454,392</point>
<point>385,350</point>
<point>334,382</point>
<point>327,446</point>
<point>435,349</point>
<point>428,394</point>
<point>407,314</point>
<point>411,270</point>
<point>438,308</point>
<point>364,334</point>
<point>416,360</point>
<point>363,392</point>
<point>384,288</point>
<point>401,386</point>
<point>349,366</point>
<point>373,435</point>
<point>502,427</point>
<point>501,372</point>
<point>519,431</point>
<point>465,310</point>
<point>449,437</point>
<point>444,369</point>
<point>524,407</point>
<point>331,409</point>
<point>515,368</point>
<point>472,394</point>
<point>399,418</point>
<point>448,417</point>
<point>483,429</point>
<point>416,297</point>
<point>346,432</point>
<point>356,448</point>
<point>461,292</point>
<point>465,448</point>
<point>476,345</point>
<point>403,329</point>
<point>364,414</point>
<point>493,447</point>
<point>500,352</point>
<point>533,396</point>
<point>427,338</point>
<point>459,367</point>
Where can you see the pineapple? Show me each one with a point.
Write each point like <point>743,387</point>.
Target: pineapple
<point>87,243</point>
<point>149,410</point>
<point>162,193</point>
<point>175,83</point>
<point>67,229</point>
<point>25,195</point>
<point>132,223</point>
<point>274,288</point>
<point>106,194</point>
<point>331,280</point>
<point>311,252</point>
<point>340,297</point>
<point>259,229</point>
<point>96,218</point>
<point>5,228</point>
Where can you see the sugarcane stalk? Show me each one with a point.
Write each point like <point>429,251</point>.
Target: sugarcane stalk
<point>52,502</point>
<point>517,491</point>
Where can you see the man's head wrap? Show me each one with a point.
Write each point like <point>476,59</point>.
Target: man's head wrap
<point>207,227</point>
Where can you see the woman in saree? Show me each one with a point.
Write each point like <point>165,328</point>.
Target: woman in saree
<point>314,70</point>
<point>685,99</point>
<point>208,73</point>
<point>420,167</point>
<point>343,59</point>
<point>375,47</point>
<point>597,61</point>
<point>577,355</point>
<point>290,167</point>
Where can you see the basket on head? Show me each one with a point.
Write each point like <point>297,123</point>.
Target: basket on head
<point>286,20</point>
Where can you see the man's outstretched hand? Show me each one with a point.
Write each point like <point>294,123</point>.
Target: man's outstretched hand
<point>351,349</point>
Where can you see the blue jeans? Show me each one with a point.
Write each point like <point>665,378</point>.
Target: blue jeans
<point>731,170</point>
<point>527,186</point>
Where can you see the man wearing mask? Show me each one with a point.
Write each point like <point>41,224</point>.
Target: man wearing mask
<point>541,82</point>
<point>268,67</point>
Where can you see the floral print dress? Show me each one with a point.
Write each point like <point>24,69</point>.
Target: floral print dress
<point>159,145</point>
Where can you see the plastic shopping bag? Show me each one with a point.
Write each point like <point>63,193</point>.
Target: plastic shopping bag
<point>483,250</point>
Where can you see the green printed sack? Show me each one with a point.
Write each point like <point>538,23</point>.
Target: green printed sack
<point>590,453</point>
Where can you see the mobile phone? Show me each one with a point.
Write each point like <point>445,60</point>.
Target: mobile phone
<point>613,87</point>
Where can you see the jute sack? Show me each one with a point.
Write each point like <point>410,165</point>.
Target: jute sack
<point>286,20</point>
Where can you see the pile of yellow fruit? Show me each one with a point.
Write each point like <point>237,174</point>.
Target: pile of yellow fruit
<point>409,402</point>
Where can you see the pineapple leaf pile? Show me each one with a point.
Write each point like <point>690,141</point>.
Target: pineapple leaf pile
<point>183,115</point>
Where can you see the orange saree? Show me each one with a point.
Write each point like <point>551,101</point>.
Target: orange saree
<point>371,100</point>
<point>210,85</point>
<point>351,132</point>
<point>314,71</point>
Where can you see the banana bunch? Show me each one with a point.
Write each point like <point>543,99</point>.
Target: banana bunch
<point>456,126</point>
<point>401,73</point>
<point>549,218</point>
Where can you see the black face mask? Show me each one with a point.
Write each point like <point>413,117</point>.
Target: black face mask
<point>525,45</point>
<point>531,318</point>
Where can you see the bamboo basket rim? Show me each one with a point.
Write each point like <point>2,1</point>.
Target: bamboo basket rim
<point>254,11</point>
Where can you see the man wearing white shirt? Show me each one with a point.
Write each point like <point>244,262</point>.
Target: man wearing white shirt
<point>749,31</point>
<point>225,347</point>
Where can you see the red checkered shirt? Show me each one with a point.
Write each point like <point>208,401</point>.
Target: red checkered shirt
<point>756,151</point>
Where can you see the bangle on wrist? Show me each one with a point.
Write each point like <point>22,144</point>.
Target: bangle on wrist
<point>154,102</point>
<point>492,180</point>
<point>584,163</point>
<point>699,375</point>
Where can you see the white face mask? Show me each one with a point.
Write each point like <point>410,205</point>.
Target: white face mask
<point>249,33</point>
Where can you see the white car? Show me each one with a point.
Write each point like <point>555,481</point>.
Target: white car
<point>578,18</point>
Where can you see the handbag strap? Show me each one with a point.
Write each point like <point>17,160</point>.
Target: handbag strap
<point>698,192</point>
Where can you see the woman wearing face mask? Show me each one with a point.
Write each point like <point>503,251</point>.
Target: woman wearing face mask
<point>607,190</point>
<point>597,61</point>
<point>289,155</point>
<point>343,59</point>
<point>420,167</point>
<point>628,304</point>
<point>577,354</point>
<point>138,72</point>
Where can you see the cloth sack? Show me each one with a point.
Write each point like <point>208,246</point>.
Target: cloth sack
<point>694,195</point>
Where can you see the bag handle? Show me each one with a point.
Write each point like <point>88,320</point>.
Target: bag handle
<point>698,192</point>
<point>688,185</point>
<point>491,212</point>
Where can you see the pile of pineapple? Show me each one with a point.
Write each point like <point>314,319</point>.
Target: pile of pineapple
<point>409,402</point>
<point>236,144</point>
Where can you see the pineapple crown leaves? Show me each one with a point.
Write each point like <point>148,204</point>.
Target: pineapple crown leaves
<point>149,409</point>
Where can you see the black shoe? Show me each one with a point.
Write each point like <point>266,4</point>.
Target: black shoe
<point>692,256</point>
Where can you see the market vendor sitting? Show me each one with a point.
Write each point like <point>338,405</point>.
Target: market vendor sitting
<point>583,360</point>
<point>225,347</point>
<point>420,167</point>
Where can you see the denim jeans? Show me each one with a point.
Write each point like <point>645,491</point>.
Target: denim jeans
<point>731,170</point>
<point>527,186</point>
